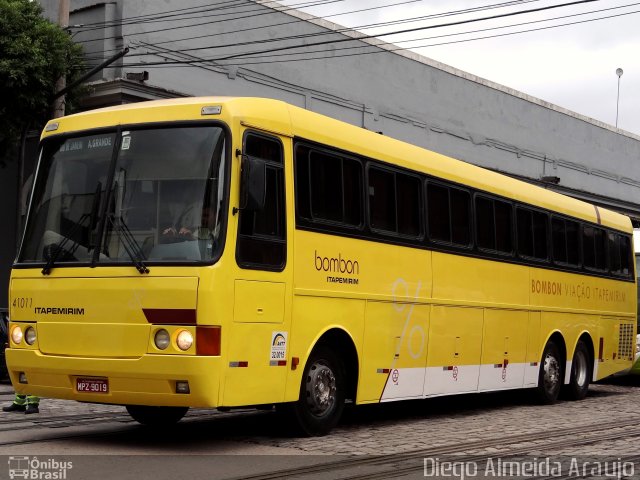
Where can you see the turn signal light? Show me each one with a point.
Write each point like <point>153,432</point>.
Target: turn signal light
<point>208,340</point>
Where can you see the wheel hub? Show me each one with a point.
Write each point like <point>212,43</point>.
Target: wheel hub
<point>321,388</point>
<point>551,373</point>
<point>581,369</point>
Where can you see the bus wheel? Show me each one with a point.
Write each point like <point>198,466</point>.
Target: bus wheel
<point>156,416</point>
<point>550,376</point>
<point>322,393</point>
<point>580,374</point>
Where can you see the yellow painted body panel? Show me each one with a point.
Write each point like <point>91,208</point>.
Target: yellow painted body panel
<point>421,322</point>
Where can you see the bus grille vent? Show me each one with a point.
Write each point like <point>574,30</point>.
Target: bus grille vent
<point>627,341</point>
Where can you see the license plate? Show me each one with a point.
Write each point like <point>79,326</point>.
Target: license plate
<point>92,385</point>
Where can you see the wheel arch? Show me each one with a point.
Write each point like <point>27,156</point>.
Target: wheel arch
<point>557,338</point>
<point>338,340</point>
<point>585,337</point>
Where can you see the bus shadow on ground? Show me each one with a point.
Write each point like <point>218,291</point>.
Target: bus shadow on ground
<point>203,427</point>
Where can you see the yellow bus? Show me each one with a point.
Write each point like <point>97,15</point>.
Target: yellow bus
<point>226,252</point>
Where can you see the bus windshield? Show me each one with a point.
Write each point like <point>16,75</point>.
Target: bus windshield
<point>152,195</point>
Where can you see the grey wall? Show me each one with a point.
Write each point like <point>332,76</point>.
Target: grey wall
<point>402,95</point>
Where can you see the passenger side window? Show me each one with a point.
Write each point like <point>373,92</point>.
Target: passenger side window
<point>448,213</point>
<point>328,187</point>
<point>494,225</point>
<point>532,229</point>
<point>593,248</point>
<point>394,202</point>
<point>262,234</point>
<point>619,254</point>
<point>565,239</point>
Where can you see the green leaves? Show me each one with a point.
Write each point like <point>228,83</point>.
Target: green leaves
<point>34,53</point>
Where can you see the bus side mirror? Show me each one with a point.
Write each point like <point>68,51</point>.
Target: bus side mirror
<point>253,185</point>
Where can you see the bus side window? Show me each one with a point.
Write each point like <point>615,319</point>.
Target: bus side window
<point>449,214</point>
<point>532,233</point>
<point>494,225</point>
<point>619,254</point>
<point>261,234</point>
<point>593,248</point>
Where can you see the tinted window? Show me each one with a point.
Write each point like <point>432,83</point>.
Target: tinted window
<point>494,225</point>
<point>261,234</point>
<point>448,214</point>
<point>394,202</point>
<point>532,233</point>
<point>328,187</point>
<point>382,200</point>
<point>439,212</point>
<point>593,247</point>
<point>565,240</point>
<point>619,254</point>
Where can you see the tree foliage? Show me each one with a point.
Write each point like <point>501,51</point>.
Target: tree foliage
<point>34,53</point>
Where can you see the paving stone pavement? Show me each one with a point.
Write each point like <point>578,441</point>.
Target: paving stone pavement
<point>427,424</point>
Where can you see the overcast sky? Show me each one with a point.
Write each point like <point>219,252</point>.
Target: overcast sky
<point>571,66</point>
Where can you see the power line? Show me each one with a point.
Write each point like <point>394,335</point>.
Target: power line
<point>168,14</point>
<point>378,49</point>
<point>374,25</point>
<point>176,27</point>
<point>342,30</point>
<point>428,27</point>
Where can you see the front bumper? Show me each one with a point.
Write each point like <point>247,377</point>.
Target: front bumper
<point>148,380</point>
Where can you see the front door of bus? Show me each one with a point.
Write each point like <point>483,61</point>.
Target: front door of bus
<point>259,336</point>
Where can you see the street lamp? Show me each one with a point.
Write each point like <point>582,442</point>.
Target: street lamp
<point>619,73</point>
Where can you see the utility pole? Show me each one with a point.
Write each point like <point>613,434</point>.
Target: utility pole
<point>63,21</point>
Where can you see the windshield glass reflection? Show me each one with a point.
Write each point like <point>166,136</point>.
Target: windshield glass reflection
<point>163,204</point>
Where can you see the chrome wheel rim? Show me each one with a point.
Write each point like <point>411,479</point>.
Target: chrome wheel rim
<point>581,368</point>
<point>551,373</point>
<point>321,388</point>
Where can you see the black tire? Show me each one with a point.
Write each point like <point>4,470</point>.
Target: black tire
<point>322,394</point>
<point>580,374</point>
<point>156,416</point>
<point>551,374</point>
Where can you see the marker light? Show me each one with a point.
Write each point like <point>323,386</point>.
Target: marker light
<point>211,110</point>
<point>30,335</point>
<point>184,340</point>
<point>16,335</point>
<point>162,339</point>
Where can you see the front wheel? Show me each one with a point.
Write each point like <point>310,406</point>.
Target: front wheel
<point>580,374</point>
<point>322,394</point>
<point>156,416</point>
<point>550,376</point>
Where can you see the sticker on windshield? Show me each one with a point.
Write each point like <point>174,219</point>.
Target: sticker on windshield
<point>99,142</point>
<point>126,142</point>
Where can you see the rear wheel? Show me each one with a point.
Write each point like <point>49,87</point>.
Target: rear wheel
<point>322,394</point>
<point>550,376</point>
<point>580,374</point>
<point>156,416</point>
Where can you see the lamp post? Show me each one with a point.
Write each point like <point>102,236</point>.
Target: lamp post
<point>619,73</point>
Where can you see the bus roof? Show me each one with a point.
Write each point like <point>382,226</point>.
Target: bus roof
<point>278,116</point>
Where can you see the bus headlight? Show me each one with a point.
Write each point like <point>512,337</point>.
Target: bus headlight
<point>16,335</point>
<point>184,340</point>
<point>30,335</point>
<point>162,339</point>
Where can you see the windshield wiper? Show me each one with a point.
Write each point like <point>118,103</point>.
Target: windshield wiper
<point>53,251</point>
<point>129,243</point>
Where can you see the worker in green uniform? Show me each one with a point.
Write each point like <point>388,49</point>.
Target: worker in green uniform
<point>23,403</point>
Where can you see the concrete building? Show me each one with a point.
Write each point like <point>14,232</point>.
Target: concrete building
<point>382,88</point>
